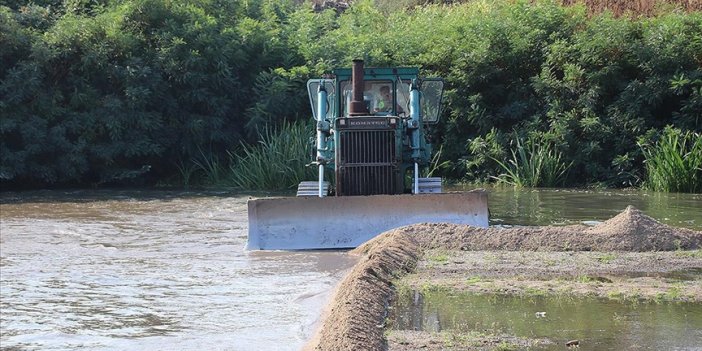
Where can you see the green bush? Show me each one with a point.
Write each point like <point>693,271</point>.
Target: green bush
<point>674,163</point>
<point>93,90</point>
<point>133,85</point>
<point>277,162</point>
<point>533,164</point>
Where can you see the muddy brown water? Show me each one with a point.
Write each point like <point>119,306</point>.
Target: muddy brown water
<point>597,324</point>
<point>121,270</point>
<point>151,270</point>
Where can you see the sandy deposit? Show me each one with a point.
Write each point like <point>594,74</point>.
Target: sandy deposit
<point>630,230</point>
<point>357,312</point>
<point>359,306</point>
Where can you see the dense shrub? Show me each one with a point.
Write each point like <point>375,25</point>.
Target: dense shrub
<point>278,161</point>
<point>105,91</point>
<point>533,164</point>
<point>674,162</point>
<point>590,86</point>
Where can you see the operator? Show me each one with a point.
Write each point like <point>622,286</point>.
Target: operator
<point>385,101</point>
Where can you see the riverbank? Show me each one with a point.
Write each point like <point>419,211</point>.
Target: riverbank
<point>629,257</point>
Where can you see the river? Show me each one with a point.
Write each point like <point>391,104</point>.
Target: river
<point>127,270</point>
<point>112,270</point>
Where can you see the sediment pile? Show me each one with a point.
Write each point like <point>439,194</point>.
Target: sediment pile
<point>355,321</point>
<point>359,307</point>
<point>631,230</point>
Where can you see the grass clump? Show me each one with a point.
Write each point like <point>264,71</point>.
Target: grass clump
<point>278,161</point>
<point>533,164</point>
<point>505,346</point>
<point>584,279</point>
<point>473,280</point>
<point>675,292</point>
<point>615,295</point>
<point>689,254</point>
<point>439,257</point>
<point>674,163</point>
<point>606,258</point>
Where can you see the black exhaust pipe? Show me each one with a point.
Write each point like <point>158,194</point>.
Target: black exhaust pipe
<point>358,106</point>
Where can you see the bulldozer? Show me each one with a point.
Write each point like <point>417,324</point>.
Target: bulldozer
<point>370,147</point>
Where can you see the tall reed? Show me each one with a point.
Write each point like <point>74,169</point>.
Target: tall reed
<point>209,164</point>
<point>674,163</point>
<point>186,170</point>
<point>533,165</point>
<point>278,161</point>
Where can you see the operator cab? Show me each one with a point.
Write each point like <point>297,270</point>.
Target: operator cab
<point>381,97</point>
<point>384,94</point>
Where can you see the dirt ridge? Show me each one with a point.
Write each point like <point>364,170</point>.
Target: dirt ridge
<point>358,309</point>
<point>355,320</point>
<point>630,230</point>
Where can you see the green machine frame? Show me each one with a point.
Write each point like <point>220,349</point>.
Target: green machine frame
<point>370,146</point>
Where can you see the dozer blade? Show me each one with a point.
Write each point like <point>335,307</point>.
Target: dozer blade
<point>300,223</point>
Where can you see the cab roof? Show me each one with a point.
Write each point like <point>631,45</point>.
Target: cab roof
<point>390,73</point>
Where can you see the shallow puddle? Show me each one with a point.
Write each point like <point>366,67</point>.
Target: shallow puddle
<point>688,274</point>
<point>597,324</point>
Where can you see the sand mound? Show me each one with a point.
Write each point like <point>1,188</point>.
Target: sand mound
<point>631,230</point>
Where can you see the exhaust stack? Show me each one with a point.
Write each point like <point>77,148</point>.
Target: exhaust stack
<point>357,106</point>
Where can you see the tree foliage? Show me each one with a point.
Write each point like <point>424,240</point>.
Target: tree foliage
<point>107,91</point>
<point>99,90</point>
<point>591,86</point>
